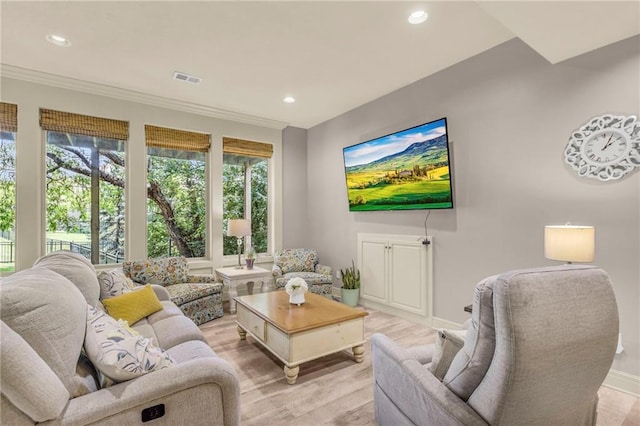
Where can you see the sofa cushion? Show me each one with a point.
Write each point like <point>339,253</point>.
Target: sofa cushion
<point>40,395</point>
<point>163,271</point>
<point>186,292</point>
<point>114,283</point>
<point>296,260</point>
<point>175,330</point>
<point>119,352</point>
<point>311,278</point>
<point>472,362</point>
<point>193,349</point>
<point>134,305</point>
<point>448,343</point>
<point>169,309</point>
<point>49,312</point>
<point>77,269</point>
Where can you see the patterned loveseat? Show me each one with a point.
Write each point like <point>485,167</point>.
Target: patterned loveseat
<point>198,296</point>
<point>303,263</point>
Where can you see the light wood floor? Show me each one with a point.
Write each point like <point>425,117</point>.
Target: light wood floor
<point>335,390</point>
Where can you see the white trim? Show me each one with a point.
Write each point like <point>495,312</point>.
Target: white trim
<point>623,382</point>
<point>418,319</point>
<point>38,77</point>
<point>443,323</point>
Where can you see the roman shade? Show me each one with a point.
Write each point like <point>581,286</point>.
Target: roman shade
<point>180,140</point>
<point>8,117</point>
<point>246,148</point>
<point>79,124</point>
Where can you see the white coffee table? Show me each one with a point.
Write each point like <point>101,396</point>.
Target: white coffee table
<point>297,334</point>
<point>233,276</point>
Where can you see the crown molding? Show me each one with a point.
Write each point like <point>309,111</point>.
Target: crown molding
<point>32,76</point>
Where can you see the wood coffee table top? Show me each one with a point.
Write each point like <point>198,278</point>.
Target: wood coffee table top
<point>317,311</point>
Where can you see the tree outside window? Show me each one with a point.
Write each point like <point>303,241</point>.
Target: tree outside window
<point>245,194</point>
<point>85,181</point>
<point>85,196</point>
<point>7,200</point>
<point>245,191</point>
<point>176,192</point>
<point>176,209</point>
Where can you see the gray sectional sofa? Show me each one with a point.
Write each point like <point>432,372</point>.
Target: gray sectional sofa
<point>47,375</point>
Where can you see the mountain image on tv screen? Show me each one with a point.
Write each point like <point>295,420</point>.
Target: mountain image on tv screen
<point>405,170</point>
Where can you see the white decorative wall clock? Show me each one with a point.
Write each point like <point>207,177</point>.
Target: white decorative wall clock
<point>605,148</point>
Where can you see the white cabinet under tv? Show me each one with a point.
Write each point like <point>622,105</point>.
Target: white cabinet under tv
<point>396,274</point>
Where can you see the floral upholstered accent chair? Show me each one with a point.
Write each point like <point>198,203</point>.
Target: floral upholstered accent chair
<point>303,263</point>
<point>198,296</point>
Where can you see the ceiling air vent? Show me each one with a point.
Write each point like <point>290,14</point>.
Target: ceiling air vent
<point>186,77</point>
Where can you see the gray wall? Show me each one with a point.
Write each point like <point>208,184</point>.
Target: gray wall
<point>510,114</point>
<point>294,187</point>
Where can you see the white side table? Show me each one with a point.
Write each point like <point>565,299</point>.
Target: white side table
<point>232,276</point>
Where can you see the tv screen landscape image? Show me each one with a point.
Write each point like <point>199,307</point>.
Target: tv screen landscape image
<point>405,170</point>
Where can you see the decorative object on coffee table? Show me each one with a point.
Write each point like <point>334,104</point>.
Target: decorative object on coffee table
<point>296,288</point>
<point>350,285</point>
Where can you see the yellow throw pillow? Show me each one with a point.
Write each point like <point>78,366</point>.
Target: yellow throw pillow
<point>133,306</point>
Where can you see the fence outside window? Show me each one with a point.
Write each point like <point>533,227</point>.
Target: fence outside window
<point>8,251</point>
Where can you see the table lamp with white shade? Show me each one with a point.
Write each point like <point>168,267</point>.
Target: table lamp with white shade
<point>239,228</point>
<point>569,243</point>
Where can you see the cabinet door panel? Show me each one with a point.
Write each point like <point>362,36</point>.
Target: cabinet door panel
<point>372,271</point>
<point>407,271</point>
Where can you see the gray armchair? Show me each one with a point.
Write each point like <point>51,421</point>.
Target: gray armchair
<point>540,343</point>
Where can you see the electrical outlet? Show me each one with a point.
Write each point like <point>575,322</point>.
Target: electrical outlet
<point>338,276</point>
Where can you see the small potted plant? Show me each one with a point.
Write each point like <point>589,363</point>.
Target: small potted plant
<point>350,285</point>
<point>250,257</point>
<point>296,288</point>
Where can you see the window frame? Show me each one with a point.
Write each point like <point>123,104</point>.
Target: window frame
<point>207,179</point>
<point>262,257</point>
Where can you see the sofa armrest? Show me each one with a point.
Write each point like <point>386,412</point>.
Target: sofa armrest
<point>161,292</point>
<point>413,389</point>
<point>202,278</point>
<point>207,383</point>
<point>276,271</point>
<point>323,269</point>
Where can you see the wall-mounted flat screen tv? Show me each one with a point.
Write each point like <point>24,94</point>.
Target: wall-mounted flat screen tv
<point>405,170</point>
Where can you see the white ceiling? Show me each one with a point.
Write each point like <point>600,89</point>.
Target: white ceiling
<point>331,56</point>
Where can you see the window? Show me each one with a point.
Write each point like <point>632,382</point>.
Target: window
<point>85,178</point>
<point>176,192</point>
<point>245,191</point>
<point>8,129</point>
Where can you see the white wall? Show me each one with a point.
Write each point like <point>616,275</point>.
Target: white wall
<point>30,164</point>
<point>510,114</point>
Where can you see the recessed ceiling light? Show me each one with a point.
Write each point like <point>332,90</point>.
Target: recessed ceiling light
<point>58,40</point>
<point>289,99</point>
<point>418,17</point>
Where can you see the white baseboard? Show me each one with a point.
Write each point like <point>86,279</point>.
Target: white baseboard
<point>443,323</point>
<point>623,382</point>
<point>396,312</point>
